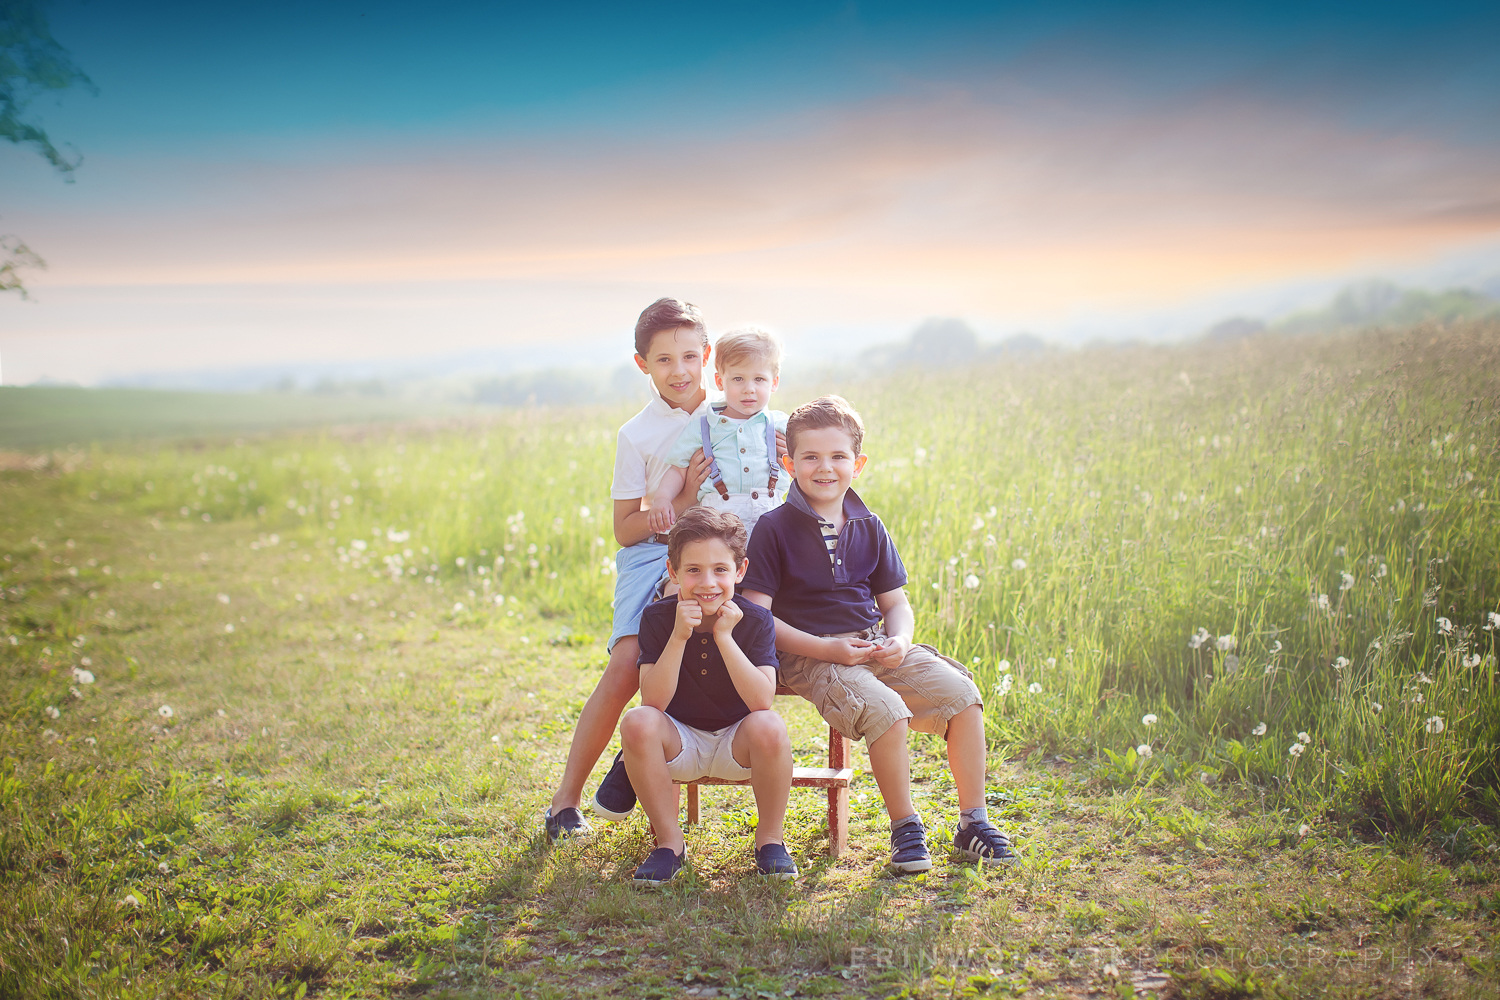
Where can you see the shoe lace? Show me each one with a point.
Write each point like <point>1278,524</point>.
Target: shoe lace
<point>907,837</point>
<point>992,841</point>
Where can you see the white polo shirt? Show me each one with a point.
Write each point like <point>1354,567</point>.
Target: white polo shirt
<point>643,445</point>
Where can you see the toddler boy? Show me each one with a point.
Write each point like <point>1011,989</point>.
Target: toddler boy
<point>671,346</point>
<point>708,679</point>
<point>827,569</point>
<point>738,436</point>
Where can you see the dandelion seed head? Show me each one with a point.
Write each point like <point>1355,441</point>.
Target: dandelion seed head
<point>228,627</point>
<point>1144,750</point>
<point>1231,663</point>
<point>1225,643</point>
<point>1003,666</point>
<point>1472,661</point>
<point>1259,730</point>
<point>1304,738</point>
<point>1346,581</point>
<point>1304,830</point>
<point>971,581</point>
<point>1149,719</point>
<point>1340,663</point>
<point>1323,604</point>
<point>1296,749</point>
<point>165,711</point>
<point>83,676</point>
<point>1445,627</point>
<point>52,712</point>
<point>1492,621</point>
<point>1435,724</point>
<point>1018,564</point>
<point>1034,688</point>
<point>130,901</point>
<point>1417,698</point>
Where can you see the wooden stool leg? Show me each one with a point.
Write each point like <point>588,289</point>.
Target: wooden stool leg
<point>692,805</point>
<point>838,821</point>
<point>838,798</point>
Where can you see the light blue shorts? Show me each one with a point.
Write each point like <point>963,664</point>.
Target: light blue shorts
<point>638,570</point>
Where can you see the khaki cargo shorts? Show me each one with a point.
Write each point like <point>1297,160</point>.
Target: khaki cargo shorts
<point>865,700</point>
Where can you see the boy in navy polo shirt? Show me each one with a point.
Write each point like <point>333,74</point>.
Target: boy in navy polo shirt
<point>708,679</point>
<point>827,569</point>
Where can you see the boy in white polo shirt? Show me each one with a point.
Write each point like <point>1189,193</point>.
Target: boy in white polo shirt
<point>671,345</point>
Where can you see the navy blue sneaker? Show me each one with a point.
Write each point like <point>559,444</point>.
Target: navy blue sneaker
<point>615,798</point>
<point>660,867</point>
<point>773,861</point>
<point>982,842</point>
<point>566,825</point>
<point>909,852</point>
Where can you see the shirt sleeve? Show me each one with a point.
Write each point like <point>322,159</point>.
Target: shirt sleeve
<point>778,420</point>
<point>630,470</point>
<point>758,642</point>
<point>689,441</point>
<point>656,629</point>
<point>764,553</point>
<point>890,572</point>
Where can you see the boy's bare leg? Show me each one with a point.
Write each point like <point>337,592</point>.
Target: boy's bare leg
<point>762,744</point>
<point>650,740</point>
<point>597,721</point>
<point>966,756</point>
<point>890,762</point>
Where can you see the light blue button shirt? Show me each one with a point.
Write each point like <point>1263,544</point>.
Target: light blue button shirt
<point>739,448</point>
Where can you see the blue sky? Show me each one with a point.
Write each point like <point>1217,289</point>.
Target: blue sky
<point>365,181</point>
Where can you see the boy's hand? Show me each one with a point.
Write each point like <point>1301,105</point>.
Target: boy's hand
<point>890,652</point>
<point>689,617</point>
<point>694,475</point>
<point>849,652</point>
<point>730,614</point>
<point>661,515</point>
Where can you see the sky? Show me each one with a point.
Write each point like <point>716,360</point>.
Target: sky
<point>351,183</point>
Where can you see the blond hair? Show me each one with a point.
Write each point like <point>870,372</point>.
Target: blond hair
<point>748,343</point>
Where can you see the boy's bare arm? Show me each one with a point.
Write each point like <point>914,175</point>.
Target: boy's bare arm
<point>900,626</point>
<point>663,512</point>
<point>659,679</point>
<point>815,647</point>
<point>631,520</point>
<point>756,684</point>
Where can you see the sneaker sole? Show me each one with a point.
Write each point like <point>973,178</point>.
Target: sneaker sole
<point>565,834</point>
<point>987,862</point>
<point>609,814</point>
<point>780,876</point>
<point>651,883</point>
<point>911,867</point>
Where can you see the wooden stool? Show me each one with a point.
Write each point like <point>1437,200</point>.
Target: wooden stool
<point>835,778</point>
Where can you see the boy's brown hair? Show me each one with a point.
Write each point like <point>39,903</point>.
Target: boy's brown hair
<point>667,314</point>
<point>825,411</point>
<point>748,343</point>
<point>697,523</point>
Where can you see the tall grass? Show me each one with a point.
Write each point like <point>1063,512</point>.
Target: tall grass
<point>1322,510</point>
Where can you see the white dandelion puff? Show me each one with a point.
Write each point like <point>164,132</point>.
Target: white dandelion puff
<point>1296,749</point>
<point>1346,581</point>
<point>1003,688</point>
<point>1376,706</point>
<point>1225,643</point>
<point>1143,751</point>
<point>971,581</point>
<point>1304,738</point>
<point>1276,647</point>
<point>1472,661</point>
<point>130,901</point>
<point>1303,830</point>
<point>223,598</point>
<point>165,711</point>
<point>1445,627</point>
<point>1323,604</point>
<point>1018,564</point>
<point>52,712</point>
<point>1492,621</point>
<point>1417,698</point>
<point>164,868</point>
<point>1340,663</point>
<point>1198,638</point>
<point>83,676</point>
<point>1422,677</point>
<point>459,562</point>
<point>1435,724</point>
<point>1034,688</point>
<point>1003,666</point>
<point>228,627</point>
<point>1384,570</point>
<point>1149,719</point>
<point>49,734</point>
<point>1231,663</point>
<point>1051,661</point>
<point>458,606</point>
<point>1259,730</point>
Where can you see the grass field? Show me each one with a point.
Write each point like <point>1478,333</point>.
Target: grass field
<point>281,713</point>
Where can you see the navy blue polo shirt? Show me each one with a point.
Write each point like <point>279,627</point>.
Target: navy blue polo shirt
<point>789,561</point>
<point>706,697</point>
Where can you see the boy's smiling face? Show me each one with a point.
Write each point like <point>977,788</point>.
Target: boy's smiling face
<point>824,463</point>
<point>706,572</point>
<point>747,387</point>
<point>675,362</point>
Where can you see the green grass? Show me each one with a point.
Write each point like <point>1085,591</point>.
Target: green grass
<point>34,417</point>
<point>344,797</point>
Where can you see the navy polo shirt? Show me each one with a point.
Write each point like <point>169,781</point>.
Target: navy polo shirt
<point>706,697</point>
<point>789,561</point>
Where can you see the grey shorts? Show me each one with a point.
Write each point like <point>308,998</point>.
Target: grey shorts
<point>865,700</point>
